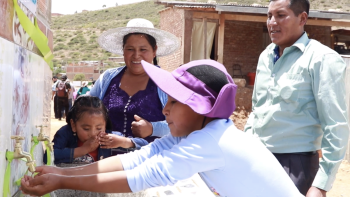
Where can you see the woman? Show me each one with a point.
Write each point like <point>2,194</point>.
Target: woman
<point>134,102</point>
<point>84,89</point>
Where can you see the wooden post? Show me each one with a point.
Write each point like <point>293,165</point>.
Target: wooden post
<point>205,33</point>
<point>221,38</point>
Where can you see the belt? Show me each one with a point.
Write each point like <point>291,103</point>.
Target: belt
<point>298,153</point>
<point>120,150</point>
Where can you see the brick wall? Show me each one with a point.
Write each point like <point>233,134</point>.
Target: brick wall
<point>242,45</point>
<point>320,33</point>
<point>88,71</point>
<point>171,20</point>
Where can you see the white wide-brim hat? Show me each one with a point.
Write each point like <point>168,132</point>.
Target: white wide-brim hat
<point>112,40</point>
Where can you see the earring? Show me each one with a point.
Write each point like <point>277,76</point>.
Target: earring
<point>74,133</point>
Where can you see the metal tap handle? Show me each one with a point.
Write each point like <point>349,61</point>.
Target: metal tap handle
<point>17,138</point>
<point>41,126</point>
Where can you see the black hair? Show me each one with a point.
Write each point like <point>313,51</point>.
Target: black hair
<point>298,6</point>
<point>151,40</point>
<point>91,105</point>
<point>214,78</point>
<point>54,77</point>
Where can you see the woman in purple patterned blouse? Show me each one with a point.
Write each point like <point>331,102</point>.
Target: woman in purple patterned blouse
<point>134,102</point>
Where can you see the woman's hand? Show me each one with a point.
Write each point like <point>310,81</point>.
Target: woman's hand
<point>41,170</point>
<point>141,127</point>
<point>114,141</point>
<point>40,185</point>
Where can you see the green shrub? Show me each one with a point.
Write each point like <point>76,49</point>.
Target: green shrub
<point>79,77</point>
<point>60,39</point>
<point>60,46</point>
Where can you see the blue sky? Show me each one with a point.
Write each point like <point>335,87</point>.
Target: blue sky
<point>70,6</point>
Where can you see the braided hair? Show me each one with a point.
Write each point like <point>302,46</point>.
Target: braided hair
<point>91,105</point>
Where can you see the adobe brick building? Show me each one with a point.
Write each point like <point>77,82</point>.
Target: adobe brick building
<point>89,69</point>
<point>240,35</point>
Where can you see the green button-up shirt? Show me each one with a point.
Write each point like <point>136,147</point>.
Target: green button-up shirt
<point>299,104</point>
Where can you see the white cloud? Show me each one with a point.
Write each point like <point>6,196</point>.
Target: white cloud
<point>71,6</point>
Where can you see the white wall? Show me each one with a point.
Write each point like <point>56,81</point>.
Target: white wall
<point>25,91</point>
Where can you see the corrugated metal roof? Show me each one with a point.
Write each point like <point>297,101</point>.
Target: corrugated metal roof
<point>253,9</point>
<point>205,4</point>
<point>194,6</point>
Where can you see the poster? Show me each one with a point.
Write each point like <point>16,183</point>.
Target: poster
<point>25,89</point>
<point>30,4</point>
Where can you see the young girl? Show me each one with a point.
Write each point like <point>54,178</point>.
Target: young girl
<point>78,140</point>
<point>203,140</point>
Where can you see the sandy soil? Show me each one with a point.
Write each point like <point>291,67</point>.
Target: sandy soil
<point>341,186</point>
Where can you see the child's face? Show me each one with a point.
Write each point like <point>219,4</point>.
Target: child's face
<point>181,119</point>
<point>88,125</point>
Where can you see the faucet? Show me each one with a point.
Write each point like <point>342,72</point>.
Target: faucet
<point>42,137</point>
<point>18,153</point>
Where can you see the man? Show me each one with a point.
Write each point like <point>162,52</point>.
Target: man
<point>299,100</point>
<point>62,91</point>
<point>54,97</point>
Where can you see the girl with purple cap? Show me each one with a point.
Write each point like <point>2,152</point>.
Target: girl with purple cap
<point>203,140</point>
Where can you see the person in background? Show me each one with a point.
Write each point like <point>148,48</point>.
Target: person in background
<point>70,95</point>
<point>84,89</point>
<point>54,97</point>
<point>62,91</point>
<point>202,140</point>
<point>299,101</point>
<point>134,101</point>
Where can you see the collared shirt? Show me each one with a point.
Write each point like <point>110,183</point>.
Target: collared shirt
<point>228,160</point>
<point>299,104</point>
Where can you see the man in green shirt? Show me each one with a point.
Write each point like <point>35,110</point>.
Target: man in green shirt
<point>299,100</point>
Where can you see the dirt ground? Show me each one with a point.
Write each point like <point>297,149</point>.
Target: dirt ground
<point>341,187</point>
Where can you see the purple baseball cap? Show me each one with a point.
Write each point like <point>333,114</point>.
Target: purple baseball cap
<point>194,84</point>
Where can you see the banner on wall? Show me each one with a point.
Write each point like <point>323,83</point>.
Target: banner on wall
<point>30,4</point>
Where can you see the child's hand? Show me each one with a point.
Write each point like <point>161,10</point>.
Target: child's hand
<point>114,141</point>
<point>91,144</point>
<point>141,127</point>
<point>41,170</point>
<point>40,185</point>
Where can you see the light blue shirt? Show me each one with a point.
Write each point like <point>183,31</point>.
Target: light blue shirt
<point>54,86</point>
<point>229,161</point>
<point>101,85</point>
<point>299,104</point>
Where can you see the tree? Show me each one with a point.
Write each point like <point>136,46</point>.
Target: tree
<point>56,71</point>
<point>79,77</point>
<point>104,6</point>
<point>116,4</point>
